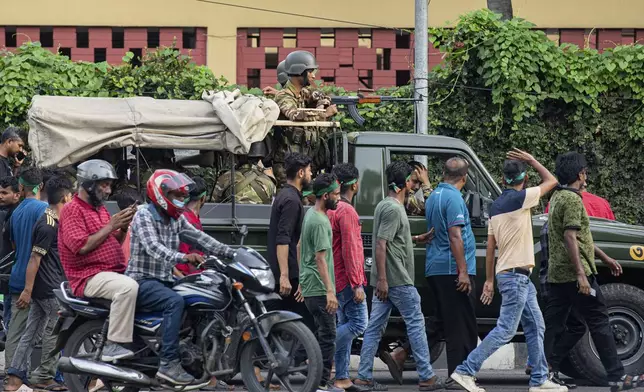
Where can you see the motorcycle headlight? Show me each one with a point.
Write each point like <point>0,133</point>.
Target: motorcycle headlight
<point>265,277</point>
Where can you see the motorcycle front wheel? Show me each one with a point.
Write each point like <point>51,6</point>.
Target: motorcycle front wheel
<point>290,342</point>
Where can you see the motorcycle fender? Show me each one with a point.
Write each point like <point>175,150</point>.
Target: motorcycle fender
<point>270,319</point>
<point>65,326</point>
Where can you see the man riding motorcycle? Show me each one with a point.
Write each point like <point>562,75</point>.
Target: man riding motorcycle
<point>91,253</point>
<point>154,252</point>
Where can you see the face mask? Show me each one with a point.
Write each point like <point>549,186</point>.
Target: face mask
<point>178,203</point>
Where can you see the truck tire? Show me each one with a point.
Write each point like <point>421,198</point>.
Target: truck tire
<point>626,310</point>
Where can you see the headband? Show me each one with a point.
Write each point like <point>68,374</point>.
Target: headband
<point>307,193</point>
<point>34,188</point>
<point>510,181</point>
<point>395,186</point>
<point>350,182</point>
<point>334,185</point>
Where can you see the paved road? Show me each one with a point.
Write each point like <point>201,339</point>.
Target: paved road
<point>500,380</point>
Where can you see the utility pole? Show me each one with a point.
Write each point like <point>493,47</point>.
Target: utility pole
<point>421,40</point>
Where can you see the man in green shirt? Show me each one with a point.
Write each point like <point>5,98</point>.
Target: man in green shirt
<point>317,277</point>
<point>393,278</point>
<point>572,276</point>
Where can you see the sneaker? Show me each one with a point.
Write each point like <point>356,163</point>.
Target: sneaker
<point>467,382</point>
<point>174,373</point>
<point>554,377</point>
<point>549,386</point>
<point>113,351</point>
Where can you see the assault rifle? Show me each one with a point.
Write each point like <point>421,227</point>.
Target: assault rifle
<point>351,103</point>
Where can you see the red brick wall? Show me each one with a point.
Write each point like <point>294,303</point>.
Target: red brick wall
<point>345,63</point>
<point>101,37</point>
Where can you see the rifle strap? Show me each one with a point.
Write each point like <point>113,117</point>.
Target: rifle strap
<point>261,191</point>
<point>250,177</point>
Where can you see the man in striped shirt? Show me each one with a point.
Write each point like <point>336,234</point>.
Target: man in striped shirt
<point>348,257</point>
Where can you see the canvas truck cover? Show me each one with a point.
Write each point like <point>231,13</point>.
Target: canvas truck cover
<point>67,130</point>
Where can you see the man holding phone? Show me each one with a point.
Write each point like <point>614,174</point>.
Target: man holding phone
<point>11,146</point>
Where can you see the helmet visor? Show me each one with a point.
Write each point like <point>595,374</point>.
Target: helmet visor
<point>178,183</point>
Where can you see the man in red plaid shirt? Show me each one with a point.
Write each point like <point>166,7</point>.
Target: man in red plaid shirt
<point>90,249</point>
<point>348,257</point>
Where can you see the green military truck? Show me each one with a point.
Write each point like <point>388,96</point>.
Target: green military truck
<point>146,123</point>
<point>372,151</point>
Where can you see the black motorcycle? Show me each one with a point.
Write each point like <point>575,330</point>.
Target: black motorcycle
<point>226,330</point>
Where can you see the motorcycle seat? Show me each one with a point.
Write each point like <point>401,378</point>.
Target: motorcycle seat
<point>97,302</point>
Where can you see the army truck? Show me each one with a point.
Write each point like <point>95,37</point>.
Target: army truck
<point>371,152</point>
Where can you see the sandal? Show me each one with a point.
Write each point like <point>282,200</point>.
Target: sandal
<point>436,385</point>
<point>54,387</point>
<point>625,383</point>
<point>372,385</point>
<point>219,386</point>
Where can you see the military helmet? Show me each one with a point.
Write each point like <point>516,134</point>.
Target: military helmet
<point>282,76</point>
<point>299,61</point>
<point>258,150</point>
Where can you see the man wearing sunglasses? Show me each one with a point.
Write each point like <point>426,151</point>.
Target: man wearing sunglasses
<point>300,93</point>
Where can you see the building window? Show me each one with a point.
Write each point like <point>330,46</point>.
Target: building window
<point>402,77</point>
<point>366,78</point>
<point>364,38</point>
<point>289,38</point>
<point>190,38</point>
<point>403,40</point>
<point>383,57</point>
<point>327,38</point>
<point>100,55</point>
<point>253,78</point>
<point>47,37</point>
<point>82,37</point>
<point>118,37</point>
<point>252,38</point>
<point>10,40</point>
<point>136,60</point>
<point>153,37</point>
<point>270,55</point>
<point>65,52</point>
<point>328,79</point>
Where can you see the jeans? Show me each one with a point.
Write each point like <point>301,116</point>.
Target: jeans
<point>325,333</point>
<point>562,298</point>
<point>407,301</point>
<point>457,312</point>
<point>352,322</point>
<point>155,296</point>
<point>519,303</point>
<point>40,322</point>
<point>16,329</point>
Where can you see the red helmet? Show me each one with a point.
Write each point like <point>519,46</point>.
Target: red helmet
<point>161,183</point>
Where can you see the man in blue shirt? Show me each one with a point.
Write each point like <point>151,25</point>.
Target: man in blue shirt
<point>450,266</point>
<point>23,220</point>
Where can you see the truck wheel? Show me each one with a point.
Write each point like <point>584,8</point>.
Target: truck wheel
<point>626,310</point>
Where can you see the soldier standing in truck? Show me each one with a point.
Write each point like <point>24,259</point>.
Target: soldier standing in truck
<point>301,68</point>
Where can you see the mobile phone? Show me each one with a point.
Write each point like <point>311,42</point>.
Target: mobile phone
<point>21,155</point>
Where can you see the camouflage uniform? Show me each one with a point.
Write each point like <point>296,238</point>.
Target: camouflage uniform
<point>252,186</point>
<point>414,205</point>
<point>309,141</point>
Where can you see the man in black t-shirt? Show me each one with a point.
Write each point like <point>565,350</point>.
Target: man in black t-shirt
<point>9,200</point>
<point>44,274</point>
<point>11,146</point>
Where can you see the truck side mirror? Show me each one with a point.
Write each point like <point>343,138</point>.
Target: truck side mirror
<point>477,206</point>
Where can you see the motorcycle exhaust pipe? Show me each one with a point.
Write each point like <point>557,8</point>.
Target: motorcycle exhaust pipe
<point>100,369</point>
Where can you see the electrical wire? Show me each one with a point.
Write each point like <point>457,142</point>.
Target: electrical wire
<point>302,15</point>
